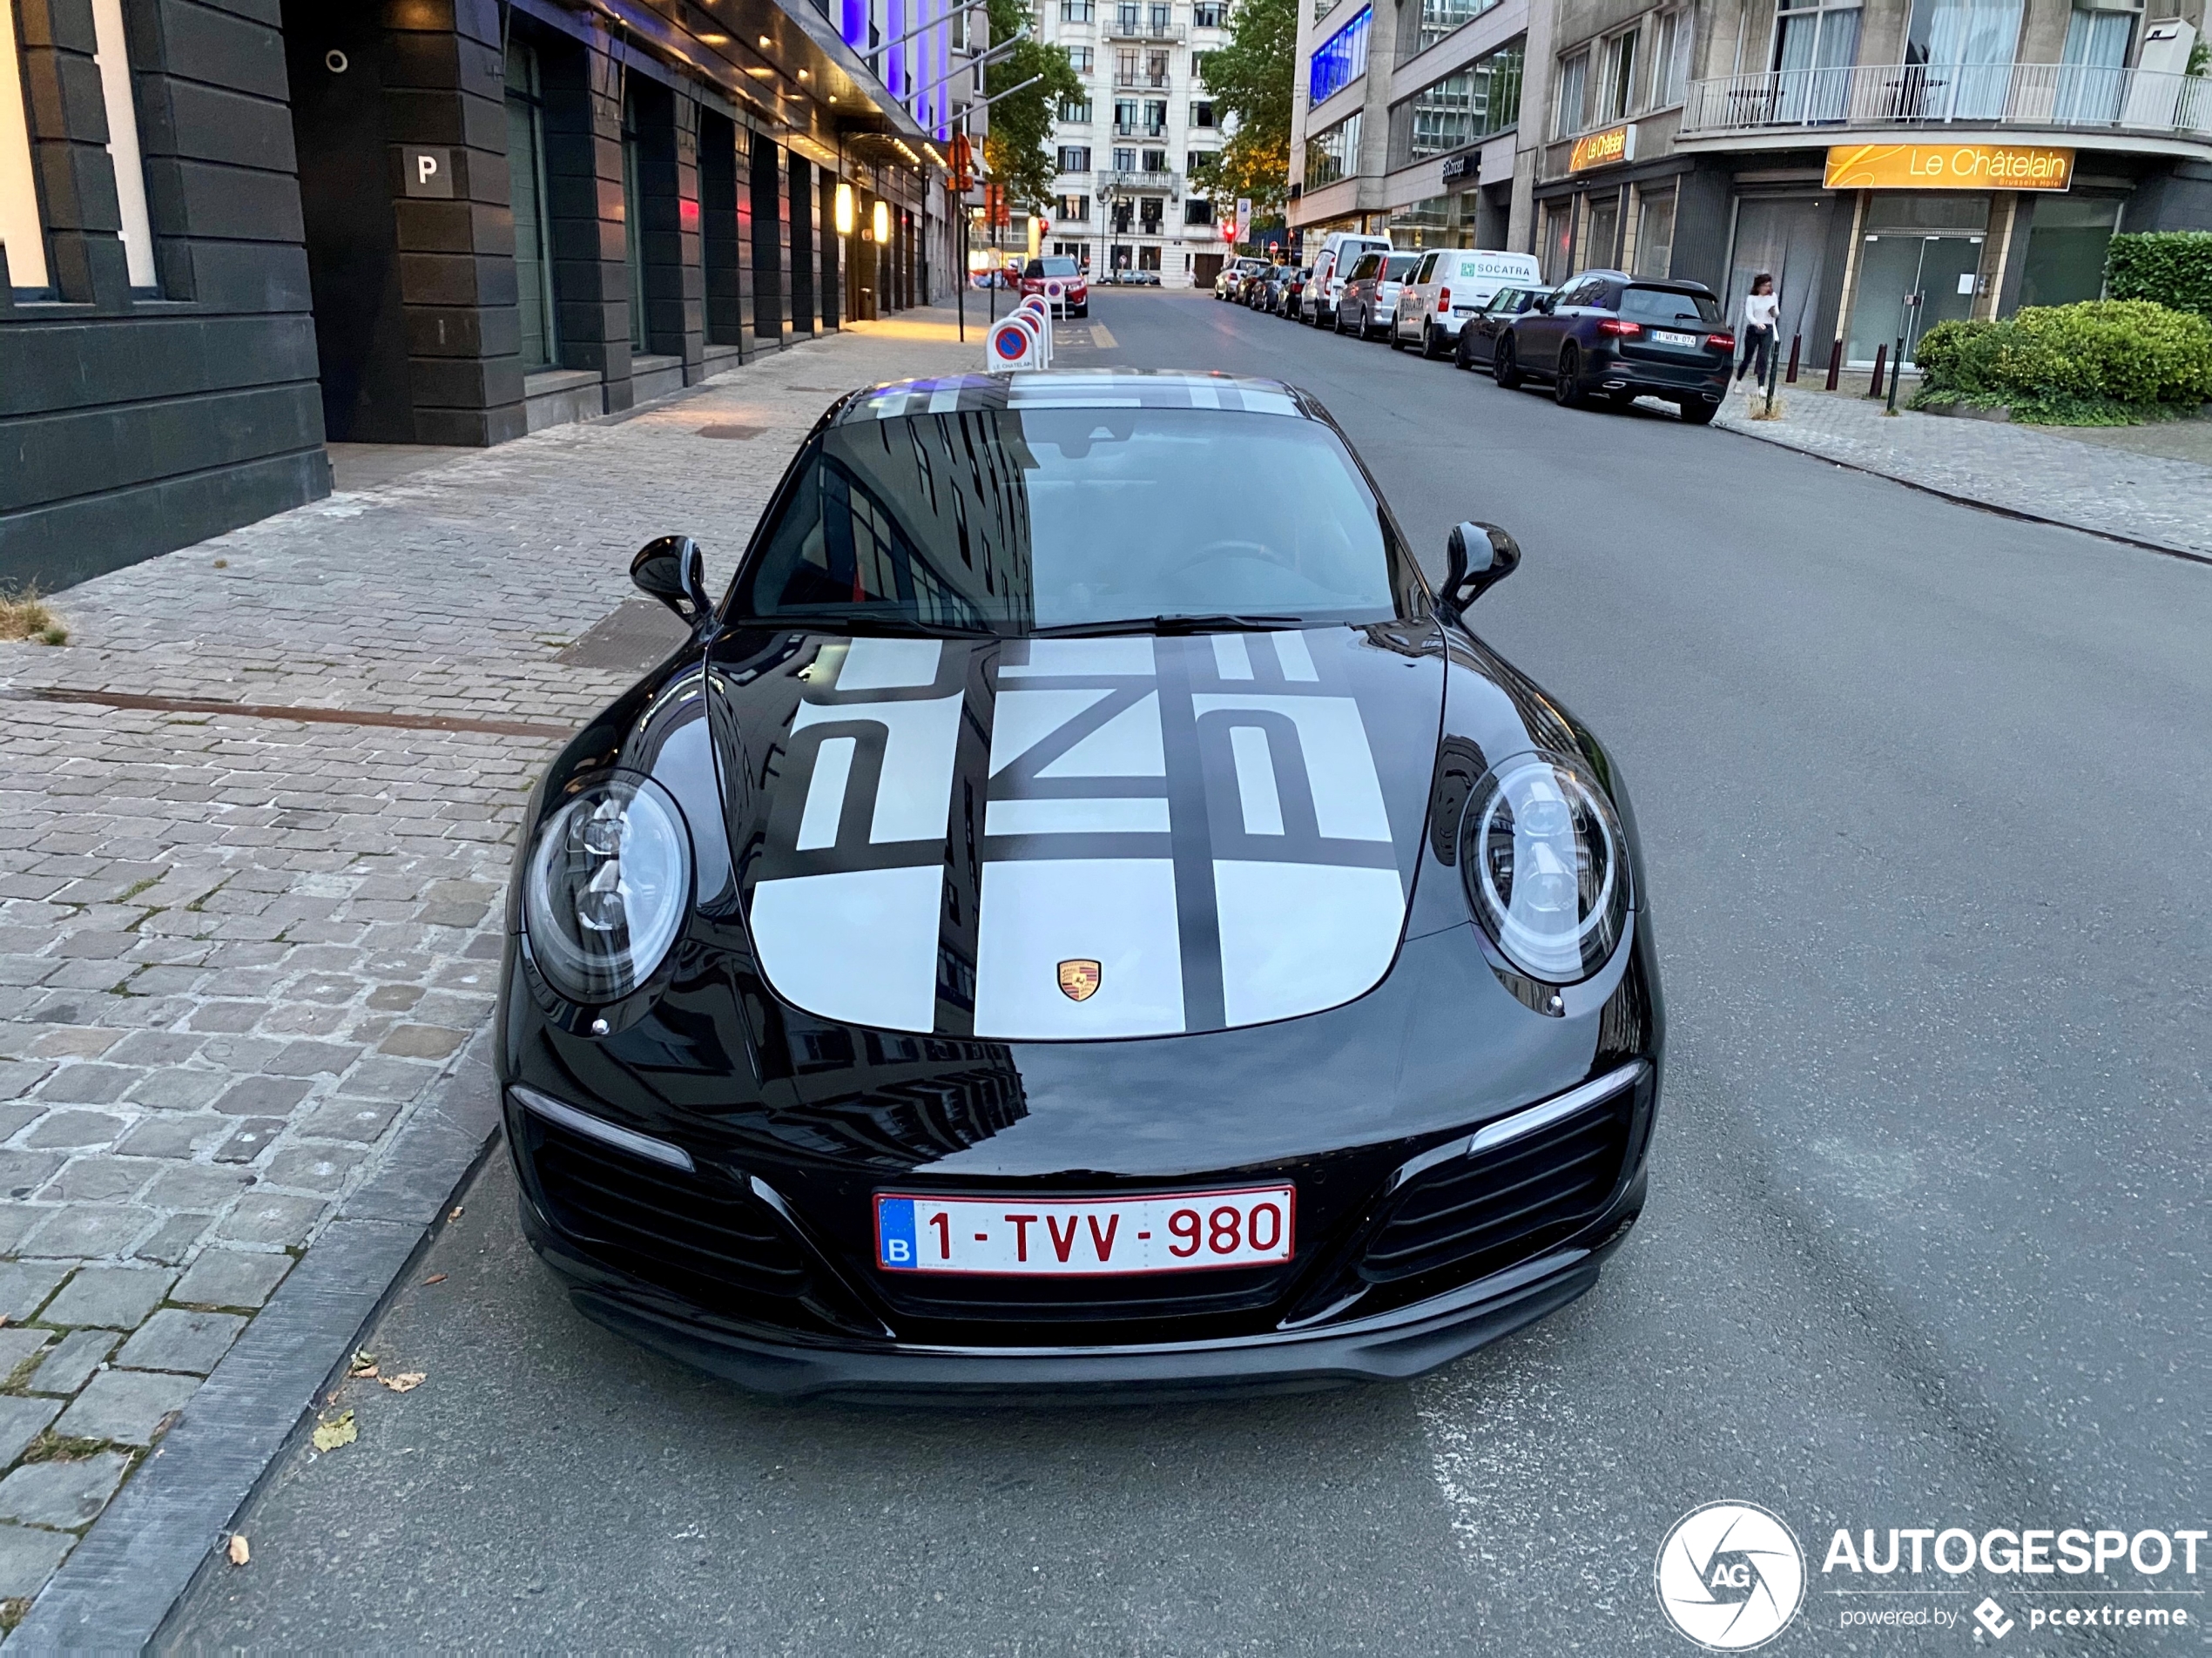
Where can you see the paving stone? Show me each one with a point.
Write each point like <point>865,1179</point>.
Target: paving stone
<point>155,1047</point>
<point>321,1169</point>
<point>124,1405</point>
<point>250,1138</point>
<point>16,1220</point>
<point>74,1040</point>
<point>313,1059</point>
<point>422,1041</point>
<point>28,1557</point>
<point>62,1494</point>
<point>194,1185</point>
<point>179,1090</point>
<point>74,1359</point>
<point>114,1298</point>
<point>24,1286</point>
<point>17,1346</point>
<point>75,1128</point>
<point>360,1121</point>
<point>271,1217</point>
<point>24,1172</point>
<point>88,1231</point>
<point>19,1076</point>
<point>231,1278</point>
<point>262,1096</point>
<point>172,1241</point>
<point>96,1179</point>
<point>172,1137</point>
<point>89,1084</point>
<point>21,1420</point>
<point>176,1340</point>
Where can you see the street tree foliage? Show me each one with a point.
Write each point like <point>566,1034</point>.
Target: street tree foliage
<point>1017,152</point>
<point>1251,78</point>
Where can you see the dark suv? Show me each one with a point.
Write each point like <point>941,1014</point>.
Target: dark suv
<point>1608,336</point>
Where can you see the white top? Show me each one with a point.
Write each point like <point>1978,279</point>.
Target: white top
<point>1759,310</point>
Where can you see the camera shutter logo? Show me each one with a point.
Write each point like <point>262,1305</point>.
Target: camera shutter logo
<point>1731,1576</point>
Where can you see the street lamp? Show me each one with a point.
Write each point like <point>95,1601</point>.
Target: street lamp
<point>844,218</point>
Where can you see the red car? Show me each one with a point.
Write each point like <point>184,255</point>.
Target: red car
<point>1075,289</point>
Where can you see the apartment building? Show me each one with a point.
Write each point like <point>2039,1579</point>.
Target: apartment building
<point>1126,198</point>
<point>232,232</point>
<point>1406,119</point>
<point>1893,164</point>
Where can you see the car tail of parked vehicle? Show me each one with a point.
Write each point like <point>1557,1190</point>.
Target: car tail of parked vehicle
<point>1450,286</point>
<point>1340,250</point>
<point>1609,337</point>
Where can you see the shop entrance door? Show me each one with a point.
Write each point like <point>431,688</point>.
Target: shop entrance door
<point>1909,282</point>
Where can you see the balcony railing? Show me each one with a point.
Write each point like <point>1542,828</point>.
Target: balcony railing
<point>1167,181</point>
<point>1145,83</point>
<point>1139,130</point>
<point>1158,33</point>
<point>2072,97</point>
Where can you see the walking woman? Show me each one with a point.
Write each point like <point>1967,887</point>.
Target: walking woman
<point>1761,305</point>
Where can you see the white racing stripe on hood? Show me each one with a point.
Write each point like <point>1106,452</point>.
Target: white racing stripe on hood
<point>1347,795</point>
<point>1022,719</point>
<point>1346,935</point>
<point>889,664</point>
<point>1122,912</point>
<point>1127,745</point>
<point>913,798</point>
<point>860,946</point>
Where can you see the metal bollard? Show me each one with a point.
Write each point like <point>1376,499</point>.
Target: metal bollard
<point>1881,357</point>
<point>1835,364</point>
<point>1897,373</point>
<point>1795,340</point>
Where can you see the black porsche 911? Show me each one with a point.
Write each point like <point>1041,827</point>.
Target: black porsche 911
<point>1081,909</point>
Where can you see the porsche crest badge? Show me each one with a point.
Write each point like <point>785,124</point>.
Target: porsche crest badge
<point>1079,980</point>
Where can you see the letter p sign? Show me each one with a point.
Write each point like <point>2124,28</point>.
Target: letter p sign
<point>428,173</point>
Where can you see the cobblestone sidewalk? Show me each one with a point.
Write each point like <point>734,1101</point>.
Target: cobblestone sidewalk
<point>238,949</point>
<point>2149,498</point>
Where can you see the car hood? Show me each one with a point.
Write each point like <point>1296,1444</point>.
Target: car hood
<point>1075,839</point>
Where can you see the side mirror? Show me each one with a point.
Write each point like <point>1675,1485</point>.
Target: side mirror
<point>674,570</point>
<point>1547,303</point>
<point>1477,557</point>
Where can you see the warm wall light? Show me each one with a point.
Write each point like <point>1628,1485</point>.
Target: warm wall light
<point>882,222</point>
<point>763,43</point>
<point>845,210</point>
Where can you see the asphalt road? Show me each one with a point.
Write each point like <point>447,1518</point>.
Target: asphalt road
<point>1924,792</point>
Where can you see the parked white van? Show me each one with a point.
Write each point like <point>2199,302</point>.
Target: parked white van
<point>1340,250</point>
<point>1450,285</point>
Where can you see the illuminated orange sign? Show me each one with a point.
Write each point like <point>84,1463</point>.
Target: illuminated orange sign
<point>1601,149</point>
<point>1948,166</point>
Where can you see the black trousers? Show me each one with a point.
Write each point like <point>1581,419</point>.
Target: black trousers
<point>1757,343</point>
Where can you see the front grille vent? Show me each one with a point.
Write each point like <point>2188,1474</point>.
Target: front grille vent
<point>1474,1216</point>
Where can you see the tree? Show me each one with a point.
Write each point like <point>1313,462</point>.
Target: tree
<point>1251,79</point>
<point>1016,151</point>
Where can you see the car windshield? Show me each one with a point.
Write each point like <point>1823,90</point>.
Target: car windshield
<point>1399,264</point>
<point>1052,267</point>
<point>1668,305</point>
<point>1011,521</point>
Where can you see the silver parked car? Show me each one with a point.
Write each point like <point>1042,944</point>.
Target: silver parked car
<point>1370,303</point>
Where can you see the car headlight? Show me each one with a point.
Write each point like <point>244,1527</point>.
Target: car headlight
<point>607,888</point>
<point>1546,866</point>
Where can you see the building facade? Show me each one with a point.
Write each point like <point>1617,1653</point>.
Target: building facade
<point>1891,163</point>
<point>1126,196</point>
<point>234,230</point>
<point>1406,119</point>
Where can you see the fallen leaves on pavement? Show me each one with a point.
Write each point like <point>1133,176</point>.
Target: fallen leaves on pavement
<point>405,1382</point>
<point>334,1431</point>
<point>239,1554</point>
<point>436,1277</point>
<point>364,1363</point>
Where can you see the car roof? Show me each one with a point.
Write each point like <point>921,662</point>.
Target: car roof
<point>1073,388</point>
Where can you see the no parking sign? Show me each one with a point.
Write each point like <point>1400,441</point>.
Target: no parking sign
<point>1013,344</point>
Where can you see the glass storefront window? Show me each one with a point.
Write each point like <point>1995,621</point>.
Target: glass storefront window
<point>2066,250</point>
<point>1333,154</point>
<point>633,200</point>
<point>1655,232</point>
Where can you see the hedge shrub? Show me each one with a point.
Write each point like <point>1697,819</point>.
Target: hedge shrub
<point>2169,268</point>
<point>2102,361</point>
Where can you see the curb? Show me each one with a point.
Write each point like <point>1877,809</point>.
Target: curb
<point>2022,514</point>
<point>120,1584</point>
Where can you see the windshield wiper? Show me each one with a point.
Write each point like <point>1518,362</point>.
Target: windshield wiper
<point>1224,623</point>
<point>863,625</point>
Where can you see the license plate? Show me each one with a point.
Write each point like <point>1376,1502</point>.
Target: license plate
<point>1017,1237</point>
<point>1668,337</point>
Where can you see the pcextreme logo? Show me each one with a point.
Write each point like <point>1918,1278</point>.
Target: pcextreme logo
<point>1731,1576</point>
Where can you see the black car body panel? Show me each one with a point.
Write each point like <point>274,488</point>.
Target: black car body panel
<point>1484,324</point>
<point>700,1161</point>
